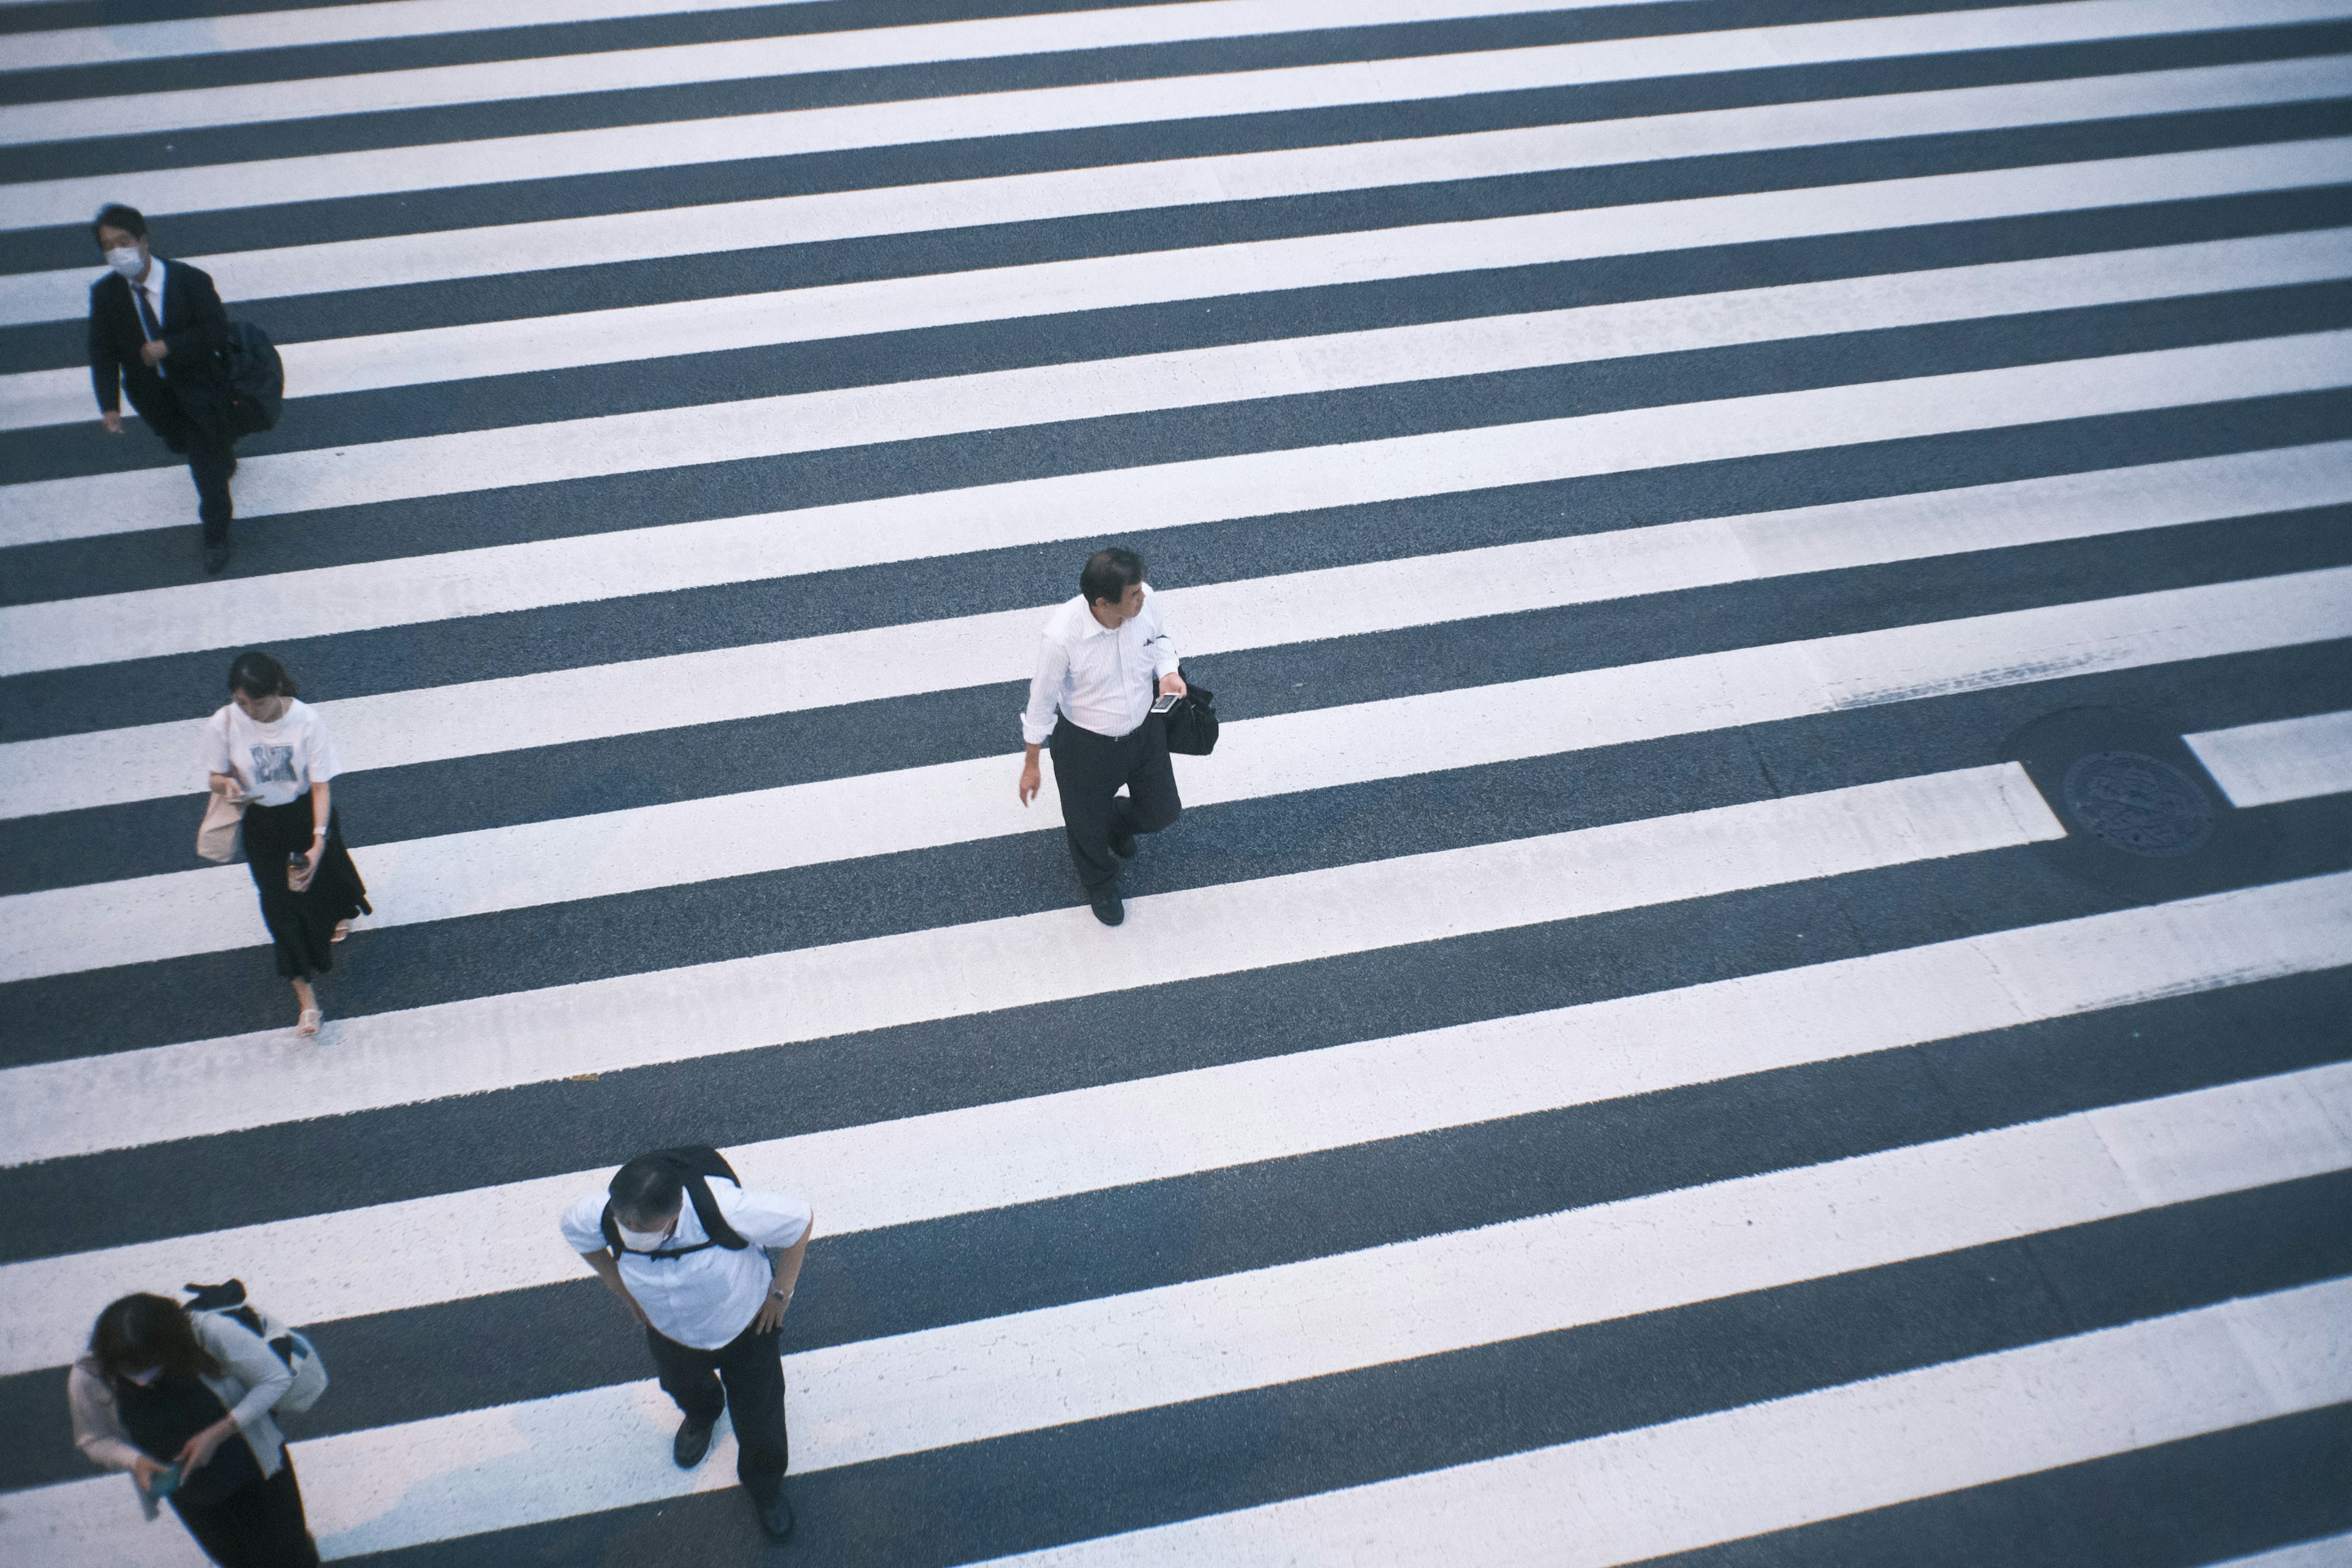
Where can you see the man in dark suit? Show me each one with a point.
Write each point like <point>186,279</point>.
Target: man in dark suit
<point>156,330</point>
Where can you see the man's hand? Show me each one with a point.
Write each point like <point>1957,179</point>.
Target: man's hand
<point>113,420</point>
<point>771,1312</point>
<point>1172,685</point>
<point>146,1470</point>
<point>1031,779</point>
<point>153,348</point>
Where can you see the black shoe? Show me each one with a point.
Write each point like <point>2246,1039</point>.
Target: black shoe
<point>692,1442</point>
<point>1123,846</point>
<point>216,559</point>
<point>776,1516</point>
<point>1107,908</point>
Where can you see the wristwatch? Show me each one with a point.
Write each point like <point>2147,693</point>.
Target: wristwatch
<point>778,1295</point>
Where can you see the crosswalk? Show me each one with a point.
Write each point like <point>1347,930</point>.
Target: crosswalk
<point>1663,1033</point>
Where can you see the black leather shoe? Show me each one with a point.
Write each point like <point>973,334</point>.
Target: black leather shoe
<point>1123,846</point>
<point>776,1516</point>
<point>216,559</point>
<point>692,1442</point>
<point>1107,908</point>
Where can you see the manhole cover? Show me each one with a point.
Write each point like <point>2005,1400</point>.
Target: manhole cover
<point>2137,803</point>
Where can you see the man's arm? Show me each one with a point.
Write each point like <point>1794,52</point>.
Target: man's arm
<point>1045,704</point>
<point>788,1274</point>
<point>1161,647</point>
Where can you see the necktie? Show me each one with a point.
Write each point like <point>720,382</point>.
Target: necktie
<point>146,311</point>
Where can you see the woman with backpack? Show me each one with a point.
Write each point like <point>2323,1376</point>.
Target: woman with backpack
<point>182,1400</point>
<point>272,756</point>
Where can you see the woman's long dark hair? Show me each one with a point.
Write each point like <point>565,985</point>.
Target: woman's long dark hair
<point>256,674</point>
<point>143,1331</point>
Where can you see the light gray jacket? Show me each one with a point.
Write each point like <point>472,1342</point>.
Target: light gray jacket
<point>252,1381</point>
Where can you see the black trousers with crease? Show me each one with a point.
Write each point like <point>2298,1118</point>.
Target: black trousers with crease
<point>745,1377</point>
<point>1089,770</point>
<point>260,1525</point>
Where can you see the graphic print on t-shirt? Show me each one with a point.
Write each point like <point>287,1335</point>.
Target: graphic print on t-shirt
<point>273,764</point>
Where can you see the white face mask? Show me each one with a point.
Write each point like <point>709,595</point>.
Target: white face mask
<point>642,1240</point>
<point>128,260</point>
<point>145,1378</point>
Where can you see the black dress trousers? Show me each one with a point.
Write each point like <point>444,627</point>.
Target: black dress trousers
<point>1089,770</point>
<point>260,1525</point>
<point>745,1377</point>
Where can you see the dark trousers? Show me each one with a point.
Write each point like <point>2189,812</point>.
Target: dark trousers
<point>211,467</point>
<point>1089,770</point>
<point>260,1525</point>
<point>743,1376</point>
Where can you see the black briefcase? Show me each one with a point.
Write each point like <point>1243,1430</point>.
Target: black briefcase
<point>1193,722</point>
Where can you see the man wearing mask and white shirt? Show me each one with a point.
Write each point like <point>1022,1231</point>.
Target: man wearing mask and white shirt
<point>690,1256</point>
<point>1103,657</point>
<point>156,330</point>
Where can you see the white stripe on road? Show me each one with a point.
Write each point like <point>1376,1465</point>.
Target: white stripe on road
<point>2330,1552</point>
<point>311,24</point>
<point>399,729</point>
<point>733,60</point>
<point>529,344</point>
<point>1739,1474</point>
<point>563,154</point>
<point>423,467</point>
<point>420,1252</point>
<point>392,260</point>
<point>476,1471</point>
<point>2290,759</point>
<point>57,1109</point>
<point>177,914</point>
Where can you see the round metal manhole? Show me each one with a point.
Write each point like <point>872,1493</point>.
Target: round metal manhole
<point>2137,803</point>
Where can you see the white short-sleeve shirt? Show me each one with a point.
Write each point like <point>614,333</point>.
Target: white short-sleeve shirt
<point>274,762</point>
<point>705,1298</point>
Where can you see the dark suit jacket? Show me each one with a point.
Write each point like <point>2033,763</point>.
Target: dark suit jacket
<point>187,404</point>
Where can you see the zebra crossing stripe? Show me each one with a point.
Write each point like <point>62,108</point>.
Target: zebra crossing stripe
<point>350,1262</point>
<point>1665,325</point>
<point>312,25</point>
<point>399,729</point>
<point>52,1109</point>
<point>476,1471</point>
<point>399,259</point>
<point>1655,437</point>
<point>325,176</point>
<point>733,60</point>
<point>175,914</point>
<point>2290,759</point>
<point>1741,1473</point>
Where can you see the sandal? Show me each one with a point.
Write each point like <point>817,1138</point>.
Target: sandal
<point>307,1024</point>
<point>342,930</point>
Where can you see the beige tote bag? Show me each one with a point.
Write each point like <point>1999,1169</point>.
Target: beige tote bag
<point>217,840</point>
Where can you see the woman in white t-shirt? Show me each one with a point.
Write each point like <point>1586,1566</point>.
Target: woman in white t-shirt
<point>273,754</point>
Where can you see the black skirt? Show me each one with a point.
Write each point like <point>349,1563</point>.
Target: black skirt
<point>302,924</point>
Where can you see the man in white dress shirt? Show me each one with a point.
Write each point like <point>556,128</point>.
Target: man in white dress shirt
<point>1104,656</point>
<point>690,1256</point>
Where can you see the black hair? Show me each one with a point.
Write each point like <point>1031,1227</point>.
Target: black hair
<point>647,1187</point>
<point>256,674</point>
<point>143,1331</point>
<point>114,215</point>
<point>1109,573</point>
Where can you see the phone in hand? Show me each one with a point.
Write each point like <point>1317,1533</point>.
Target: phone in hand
<point>1166,700</point>
<point>163,1482</point>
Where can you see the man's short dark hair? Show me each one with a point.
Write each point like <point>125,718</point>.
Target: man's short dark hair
<point>114,215</point>
<point>1109,573</point>
<point>647,1187</point>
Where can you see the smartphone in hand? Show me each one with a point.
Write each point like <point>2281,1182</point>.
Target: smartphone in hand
<point>1165,701</point>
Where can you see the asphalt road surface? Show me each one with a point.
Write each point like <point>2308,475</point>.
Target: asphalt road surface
<point>1761,974</point>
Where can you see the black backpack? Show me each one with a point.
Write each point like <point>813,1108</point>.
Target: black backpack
<point>696,1165</point>
<point>256,379</point>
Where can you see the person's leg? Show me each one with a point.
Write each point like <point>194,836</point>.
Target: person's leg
<point>1150,803</point>
<point>1085,773</point>
<point>214,1527</point>
<point>754,1375</point>
<point>266,1516</point>
<point>686,1377</point>
<point>209,465</point>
